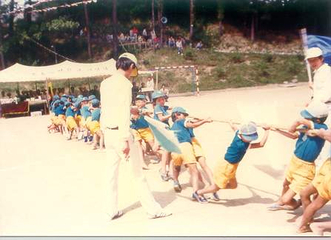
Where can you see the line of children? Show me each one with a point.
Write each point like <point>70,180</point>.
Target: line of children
<point>94,125</point>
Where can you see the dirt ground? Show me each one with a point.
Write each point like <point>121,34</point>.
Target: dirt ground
<point>50,186</point>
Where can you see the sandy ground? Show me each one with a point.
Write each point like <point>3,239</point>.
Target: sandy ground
<point>51,186</point>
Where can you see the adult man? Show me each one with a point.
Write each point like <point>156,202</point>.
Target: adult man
<point>321,87</point>
<point>150,87</point>
<point>322,75</point>
<point>115,123</point>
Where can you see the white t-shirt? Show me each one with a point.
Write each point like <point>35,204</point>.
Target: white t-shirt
<point>322,83</point>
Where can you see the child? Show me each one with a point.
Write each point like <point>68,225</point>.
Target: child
<point>320,185</point>
<point>161,114</point>
<point>94,125</point>
<point>70,119</point>
<point>86,118</point>
<point>301,169</point>
<point>187,157</point>
<point>225,171</point>
<point>198,152</point>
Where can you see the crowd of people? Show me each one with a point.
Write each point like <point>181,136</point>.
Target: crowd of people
<point>311,133</point>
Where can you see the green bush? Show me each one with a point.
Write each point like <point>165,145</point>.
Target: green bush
<point>189,54</point>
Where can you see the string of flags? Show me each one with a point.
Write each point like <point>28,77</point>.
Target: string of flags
<point>66,5</point>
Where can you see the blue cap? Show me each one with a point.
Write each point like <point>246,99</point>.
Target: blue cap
<point>179,110</point>
<point>157,94</point>
<point>249,131</point>
<point>91,97</point>
<point>63,99</point>
<point>56,97</point>
<point>56,102</point>
<point>71,96</point>
<point>77,103</point>
<point>67,104</point>
<point>95,103</point>
<point>64,95</point>
<point>80,96</point>
<point>141,96</point>
<point>84,99</point>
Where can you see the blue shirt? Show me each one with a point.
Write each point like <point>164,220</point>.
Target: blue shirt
<point>308,148</point>
<point>181,132</point>
<point>59,110</point>
<point>70,112</point>
<point>161,109</point>
<point>85,111</point>
<point>237,150</point>
<point>139,123</point>
<point>96,114</point>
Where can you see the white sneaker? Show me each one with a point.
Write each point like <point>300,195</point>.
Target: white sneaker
<point>161,214</point>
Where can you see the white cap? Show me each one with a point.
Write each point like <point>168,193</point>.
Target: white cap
<point>313,52</point>
<point>315,109</point>
<point>129,56</point>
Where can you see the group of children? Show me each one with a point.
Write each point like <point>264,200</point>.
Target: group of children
<point>77,118</point>
<point>81,116</point>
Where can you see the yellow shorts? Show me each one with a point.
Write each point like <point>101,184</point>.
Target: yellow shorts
<point>186,157</point>
<point>323,171</point>
<point>88,122</point>
<point>94,126</point>
<point>224,172</point>
<point>78,118</point>
<point>198,152</point>
<point>143,134</point>
<point>59,119</point>
<point>299,173</point>
<point>71,123</point>
<point>324,189</point>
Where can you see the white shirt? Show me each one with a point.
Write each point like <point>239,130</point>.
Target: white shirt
<point>116,96</point>
<point>150,84</point>
<point>322,83</point>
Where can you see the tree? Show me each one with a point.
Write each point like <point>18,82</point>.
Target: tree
<point>115,35</point>
<point>159,16</point>
<point>191,19</point>
<point>88,32</point>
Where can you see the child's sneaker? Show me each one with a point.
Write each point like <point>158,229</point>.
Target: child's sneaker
<point>85,139</point>
<point>216,197</point>
<point>200,199</point>
<point>90,138</point>
<point>164,176</point>
<point>177,187</point>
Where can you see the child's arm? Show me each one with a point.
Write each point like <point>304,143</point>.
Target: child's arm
<point>198,123</point>
<point>234,128</point>
<point>263,140</point>
<point>322,133</point>
<point>162,117</point>
<point>305,122</point>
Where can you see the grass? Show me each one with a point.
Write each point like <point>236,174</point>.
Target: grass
<point>224,70</point>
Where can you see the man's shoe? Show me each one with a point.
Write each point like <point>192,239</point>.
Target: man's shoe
<point>117,215</point>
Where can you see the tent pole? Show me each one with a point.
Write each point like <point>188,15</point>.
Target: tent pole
<point>47,95</point>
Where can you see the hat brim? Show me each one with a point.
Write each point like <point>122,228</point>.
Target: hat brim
<point>306,114</point>
<point>250,137</point>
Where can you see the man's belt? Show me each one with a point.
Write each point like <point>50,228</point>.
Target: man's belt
<point>112,128</point>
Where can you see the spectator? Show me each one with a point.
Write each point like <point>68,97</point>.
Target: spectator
<point>199,45</point>
<point>165,91</point>
<point>179,46</point>
<point>150,86</point>
<point>145,34</point>
<point>95,91</point>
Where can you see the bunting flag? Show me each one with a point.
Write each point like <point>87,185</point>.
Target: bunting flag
<point>323,43</point>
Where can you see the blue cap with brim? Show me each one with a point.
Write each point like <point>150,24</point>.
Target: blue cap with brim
<point>179,110</point>
<point>95,103</point>
<point>306,114</point>
<point>141,96</point>
<point>251,137</point>
<point>67,104</point>
<point>77,103</point>
<point>91,97</point>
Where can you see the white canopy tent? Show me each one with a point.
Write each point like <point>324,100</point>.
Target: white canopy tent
<point>62,71</point>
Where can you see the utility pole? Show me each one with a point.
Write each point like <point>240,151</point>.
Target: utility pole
<point>153,16</point>
<point>159,16</point>
<point>88,33</point>
<point>115,37</point>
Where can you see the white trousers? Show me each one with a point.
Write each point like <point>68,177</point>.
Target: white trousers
<point>114,147</point>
